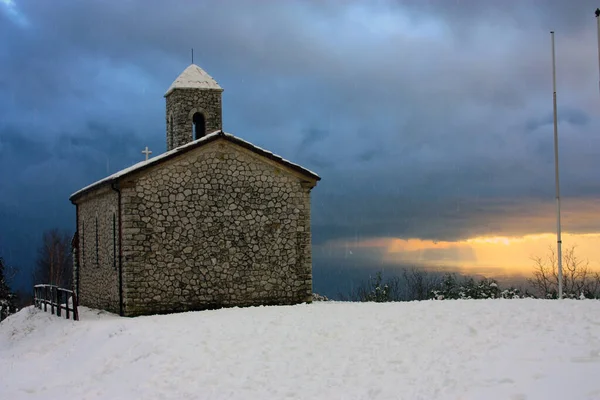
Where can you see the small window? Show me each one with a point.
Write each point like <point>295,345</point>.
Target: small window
<point>82,243</point>
<point>97,250</point>
<point>199,125</point>
<point>114,241</point>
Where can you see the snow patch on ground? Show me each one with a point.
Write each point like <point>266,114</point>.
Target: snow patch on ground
<point>463,349</point>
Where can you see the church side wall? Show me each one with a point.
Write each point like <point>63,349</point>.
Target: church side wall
<point>98,241</point>
<point>218,226</point>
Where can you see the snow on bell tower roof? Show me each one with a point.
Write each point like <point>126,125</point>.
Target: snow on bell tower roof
<point>194,77</point>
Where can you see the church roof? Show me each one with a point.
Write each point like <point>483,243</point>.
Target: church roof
<point>187,147</point>
<point>194,77</point>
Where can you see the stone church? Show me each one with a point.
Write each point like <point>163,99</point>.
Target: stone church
<point>213,222</point>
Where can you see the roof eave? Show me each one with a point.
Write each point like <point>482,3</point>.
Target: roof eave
<point>190,146</point>
<point>267,154</point>
<point>78,195</point>
<point>171,90</point>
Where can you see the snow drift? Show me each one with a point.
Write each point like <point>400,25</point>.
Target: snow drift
<point>471,349</point>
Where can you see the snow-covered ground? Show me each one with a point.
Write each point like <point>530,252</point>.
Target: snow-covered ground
<point>472,349</point>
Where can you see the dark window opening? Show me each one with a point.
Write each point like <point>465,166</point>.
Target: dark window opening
<point>82,243</point>
<point>114,241</point>
<point>97,252</point>
<point>199,125</point>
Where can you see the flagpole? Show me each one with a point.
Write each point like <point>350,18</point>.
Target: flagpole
<point>598,23</point>
<point>558,233</point>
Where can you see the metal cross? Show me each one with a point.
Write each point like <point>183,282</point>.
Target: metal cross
<point>146,152</point>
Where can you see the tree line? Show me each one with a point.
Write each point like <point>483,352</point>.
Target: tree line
<point>53,265</point>
<point>579,282</point>
<point>7,297</point>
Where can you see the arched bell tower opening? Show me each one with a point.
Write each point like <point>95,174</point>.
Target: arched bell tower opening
<point>198,125</point>
<point>193,101</point>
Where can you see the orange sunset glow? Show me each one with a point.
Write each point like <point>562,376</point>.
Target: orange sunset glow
<point>490,256</point>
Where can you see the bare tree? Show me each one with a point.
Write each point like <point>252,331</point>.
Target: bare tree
<point>578,279</point>
<point>7,297</point>
<point>54,261</point>
<point>411,284</point>
<point>372,289</point>
<point>419,284</point>
<point>9,272</point>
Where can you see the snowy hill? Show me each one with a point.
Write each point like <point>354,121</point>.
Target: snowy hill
<point>474,349</point>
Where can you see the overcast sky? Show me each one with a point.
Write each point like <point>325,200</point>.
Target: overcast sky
<point>425,119</point>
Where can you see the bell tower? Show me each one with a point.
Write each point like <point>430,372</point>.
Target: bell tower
<point>193,107</point>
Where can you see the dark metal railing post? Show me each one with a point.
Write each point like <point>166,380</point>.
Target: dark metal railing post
<point>75,311</point>
<point>67,304</point>
<point>45,297</point>
<point>58,302</point>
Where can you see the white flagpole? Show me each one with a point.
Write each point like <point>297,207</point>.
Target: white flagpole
<point>558,233</point>
<point>598,23</point>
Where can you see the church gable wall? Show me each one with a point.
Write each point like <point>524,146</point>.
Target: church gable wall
<point>218,226</point>
<point>98,250</point>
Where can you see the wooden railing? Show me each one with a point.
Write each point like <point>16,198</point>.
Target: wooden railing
<point>51,296</point>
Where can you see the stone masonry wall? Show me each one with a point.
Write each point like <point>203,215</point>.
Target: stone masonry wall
<point>218,226</point>
<point>98,269</point>
<point>182,104</point>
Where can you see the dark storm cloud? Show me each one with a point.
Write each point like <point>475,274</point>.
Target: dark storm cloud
<point>550,14</point>
<point>14,142</point>
<point>425,118</point>
<point>312,136</point>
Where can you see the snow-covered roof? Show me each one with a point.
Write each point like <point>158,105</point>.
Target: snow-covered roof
<point>188,146</point>
<point>194,77</point>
